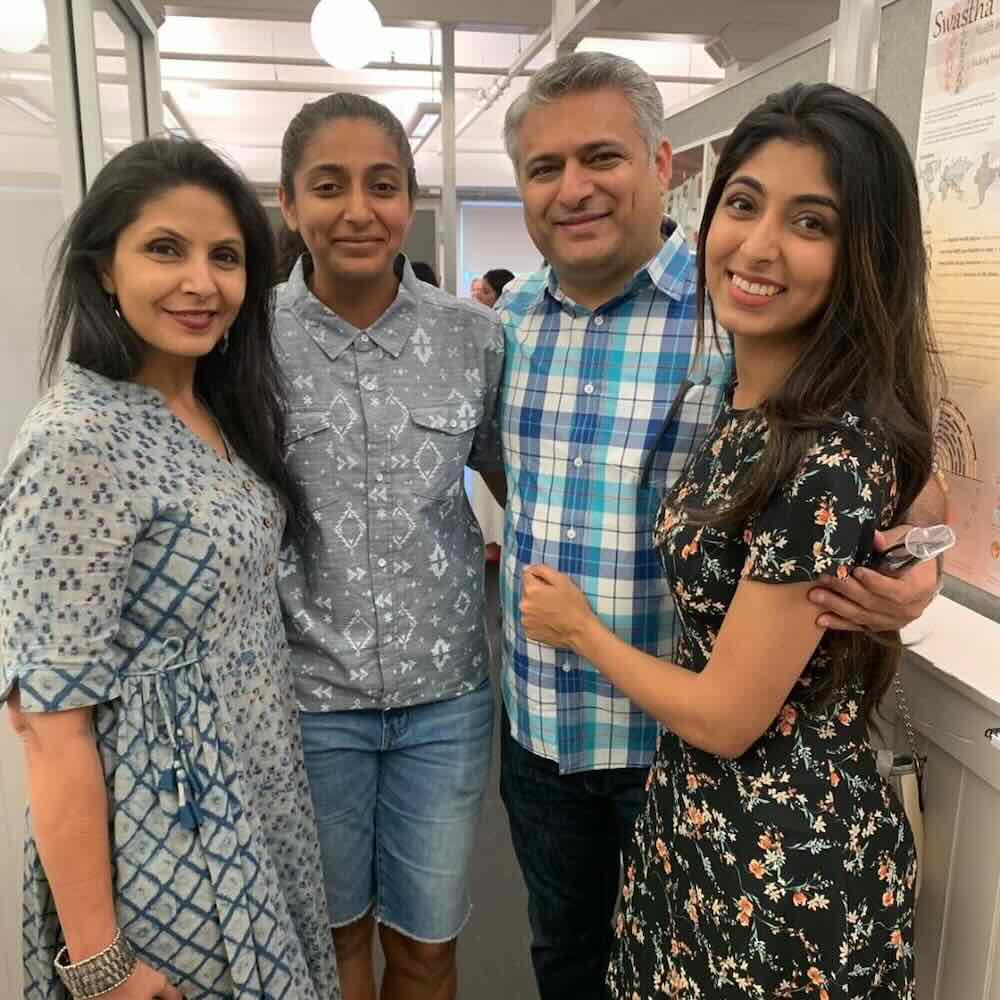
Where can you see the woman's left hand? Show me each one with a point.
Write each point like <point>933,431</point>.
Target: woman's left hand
<point>553,610</point>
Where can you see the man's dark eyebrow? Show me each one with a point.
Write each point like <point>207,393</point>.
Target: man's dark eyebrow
<point>803,199</point>
<point>590,147</point>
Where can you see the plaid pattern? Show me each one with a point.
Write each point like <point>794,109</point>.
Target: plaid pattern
<point>585,399</point>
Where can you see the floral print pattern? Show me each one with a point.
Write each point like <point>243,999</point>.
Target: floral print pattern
<point>788,872</point>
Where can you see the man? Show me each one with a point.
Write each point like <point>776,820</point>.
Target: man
<point>600,349</point>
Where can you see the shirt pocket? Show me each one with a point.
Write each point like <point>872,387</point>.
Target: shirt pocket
<point>443,435</point>
<point>310,453</point>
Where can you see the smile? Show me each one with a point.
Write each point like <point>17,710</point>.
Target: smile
<point>758,288</point>
<point>193,319</point>
<point>583,220</point>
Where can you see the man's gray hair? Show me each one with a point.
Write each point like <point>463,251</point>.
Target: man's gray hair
<point>583,72</point>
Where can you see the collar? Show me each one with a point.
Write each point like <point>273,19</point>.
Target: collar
<point>333,334</point>
<point>671,270</point>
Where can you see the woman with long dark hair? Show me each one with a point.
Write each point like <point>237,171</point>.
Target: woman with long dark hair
<point>771,858</point>
<point>172,849</point>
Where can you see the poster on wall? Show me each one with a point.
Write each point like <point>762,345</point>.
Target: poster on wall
<point>958,170</point>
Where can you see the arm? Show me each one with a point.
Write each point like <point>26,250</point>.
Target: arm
<point>69,816</point>
<point>725,708</point>
<point>497,483</point>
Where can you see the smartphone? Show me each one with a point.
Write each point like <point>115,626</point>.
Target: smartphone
<point>919,545</point>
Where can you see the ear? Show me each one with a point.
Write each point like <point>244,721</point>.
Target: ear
<point>663,162</point>
<point>288,212</point>
<point>107,282</point>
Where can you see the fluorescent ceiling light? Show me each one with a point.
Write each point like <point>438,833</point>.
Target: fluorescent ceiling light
<point>346,33</point>
<point>22,25</point>
<point>19,98</point>
<point>424,120</point>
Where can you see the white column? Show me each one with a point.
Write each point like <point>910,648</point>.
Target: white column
<point>449,199</point>
<point>854,47</point>
<point>563,13</point>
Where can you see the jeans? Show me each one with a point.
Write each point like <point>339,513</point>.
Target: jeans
<point>569,832</point>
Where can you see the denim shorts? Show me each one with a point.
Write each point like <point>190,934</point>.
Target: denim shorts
<point>397,795</point>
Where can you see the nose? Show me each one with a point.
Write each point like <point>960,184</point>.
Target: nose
<point>199,276</point>
<point>357,209</point>
<point>576,185</point>
<point>762,240</point>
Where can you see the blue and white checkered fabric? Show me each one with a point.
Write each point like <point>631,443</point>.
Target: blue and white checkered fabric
<point>585,398</point>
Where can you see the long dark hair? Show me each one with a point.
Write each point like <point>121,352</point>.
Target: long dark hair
<point>243,387</point>
<point>871,348</point>
<point>301,131</point>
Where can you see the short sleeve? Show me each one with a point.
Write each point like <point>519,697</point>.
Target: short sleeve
<point>824,520</point>
<point>486,453</point>
<point>67,535</point>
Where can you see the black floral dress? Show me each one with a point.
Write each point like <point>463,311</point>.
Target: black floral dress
<point>788,872</point>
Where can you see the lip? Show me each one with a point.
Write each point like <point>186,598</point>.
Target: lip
<point>358,241</point>
<point>192,319</point>
<point>746,299</point>
<point>580,221</point>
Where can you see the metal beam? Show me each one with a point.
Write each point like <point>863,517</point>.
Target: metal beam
<point>175,110</point>
<point>449,200</point>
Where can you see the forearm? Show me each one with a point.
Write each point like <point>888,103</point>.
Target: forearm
<point>496,482</point>
<point>680,699</point>
<point>69,814</point>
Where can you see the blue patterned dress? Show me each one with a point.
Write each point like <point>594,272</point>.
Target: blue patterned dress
<point>137,576</point>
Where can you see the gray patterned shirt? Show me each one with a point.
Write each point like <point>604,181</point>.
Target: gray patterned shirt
<point>385,608</point>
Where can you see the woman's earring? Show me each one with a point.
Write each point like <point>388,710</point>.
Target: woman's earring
<point>224,343</point>
<point>115,308</point>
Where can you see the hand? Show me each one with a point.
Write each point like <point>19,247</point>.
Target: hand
<point>553,611</point>
<point>145,984</point>
<point>870,601</point>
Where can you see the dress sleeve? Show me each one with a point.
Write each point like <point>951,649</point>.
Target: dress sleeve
<point>824,520</point>
<point>67,534</point>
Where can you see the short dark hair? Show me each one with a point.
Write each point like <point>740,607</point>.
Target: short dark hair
<point>424,272</point>
<point>300,132</point>
<point>497,278</point>
<point>242,386</point>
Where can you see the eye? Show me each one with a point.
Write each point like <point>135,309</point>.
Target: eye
<point>386,188</point>
<point>605,158</point>
<point>326,188</point>
<point>163,248</point>
<point>812,224</point>
<point>228,257</point>
<point>739,203</point>
<point>541,170</point>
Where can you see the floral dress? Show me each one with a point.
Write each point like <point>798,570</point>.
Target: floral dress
<point>137,578</point>
<point>789,871</point>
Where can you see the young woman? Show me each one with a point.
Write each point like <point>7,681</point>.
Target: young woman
<point>172,847</point>
<point>394,385</point>
<point>771,859</point>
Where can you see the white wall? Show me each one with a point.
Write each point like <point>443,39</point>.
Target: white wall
<point>29,220</point>
<point>492,234</point>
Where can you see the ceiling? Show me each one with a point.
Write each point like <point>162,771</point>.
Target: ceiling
<point>236,71</point>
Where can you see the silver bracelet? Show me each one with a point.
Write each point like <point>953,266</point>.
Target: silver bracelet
<point>99,974</point>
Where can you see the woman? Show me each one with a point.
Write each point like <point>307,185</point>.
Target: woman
<point>490,286</point>
<point>394,389</point>
<point>771,859</point>
<point>172,849</point>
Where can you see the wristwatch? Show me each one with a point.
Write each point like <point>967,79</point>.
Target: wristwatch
<point>99,974</point>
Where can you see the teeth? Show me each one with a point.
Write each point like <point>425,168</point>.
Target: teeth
<point>753,287</point>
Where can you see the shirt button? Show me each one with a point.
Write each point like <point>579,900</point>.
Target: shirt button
<point>379,477</point>
<point>452,423</point>
<point>566,668</point>
<point>598,321</point>
<point>381,564</point>
<point>588,389</point>
<point>365,339</point>
<point>248,485</point>
<point>578,461</point>
<point>571,534</point>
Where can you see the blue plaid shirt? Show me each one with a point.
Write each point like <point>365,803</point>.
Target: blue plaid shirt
<point>585,399</point>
